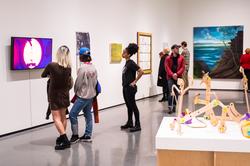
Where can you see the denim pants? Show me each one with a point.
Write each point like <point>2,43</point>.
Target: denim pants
<point>171,101</point>
<point>84,105</point>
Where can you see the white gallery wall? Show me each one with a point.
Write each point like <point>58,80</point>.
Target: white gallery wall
<point>200,13</point>
<point>23,93</point>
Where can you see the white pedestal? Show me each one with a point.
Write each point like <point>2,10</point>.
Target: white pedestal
<point>204,146</point>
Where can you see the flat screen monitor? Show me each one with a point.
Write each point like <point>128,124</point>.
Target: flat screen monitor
<point>30,53</point>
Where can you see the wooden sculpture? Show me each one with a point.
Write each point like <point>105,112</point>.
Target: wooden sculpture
<point>207,81</point>
<point>245,87</point>
<point>181,91</point>
<point>245,120</point>
<point>229,112</point>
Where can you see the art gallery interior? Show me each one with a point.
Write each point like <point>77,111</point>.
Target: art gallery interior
<point>27,138</point>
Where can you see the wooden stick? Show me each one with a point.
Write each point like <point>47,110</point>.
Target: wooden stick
<point>245,86</point>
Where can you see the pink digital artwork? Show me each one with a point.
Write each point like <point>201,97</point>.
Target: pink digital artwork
<point>31,53</point>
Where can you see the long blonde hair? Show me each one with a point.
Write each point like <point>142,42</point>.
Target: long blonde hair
<point>63,56</point>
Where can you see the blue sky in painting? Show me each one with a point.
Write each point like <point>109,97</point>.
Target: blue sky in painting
<point>215,35</point>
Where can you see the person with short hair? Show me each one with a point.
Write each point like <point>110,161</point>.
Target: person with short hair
<point>186,54</point>
<point>175,66</point>
<point>245,63</point>
<point>60,83</point>
<point>85,90</point>
<point>129,81</point>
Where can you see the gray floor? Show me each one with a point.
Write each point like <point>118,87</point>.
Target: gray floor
<point>110,146</point>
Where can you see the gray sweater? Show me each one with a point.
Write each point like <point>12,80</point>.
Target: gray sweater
<point>85,85</point>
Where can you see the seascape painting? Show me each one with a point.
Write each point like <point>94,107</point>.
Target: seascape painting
<point>217,50</point>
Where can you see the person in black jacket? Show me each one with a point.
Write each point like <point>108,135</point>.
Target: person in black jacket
<point>162,80</point>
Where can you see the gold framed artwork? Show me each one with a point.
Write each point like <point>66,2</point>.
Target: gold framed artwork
<point>116,52</point>
<point>144,56</point>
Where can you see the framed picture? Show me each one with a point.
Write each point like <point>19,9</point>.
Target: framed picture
<point>82,40</point>
<point>116,52</point>
<point>217,50</point>
<point>144,56</point>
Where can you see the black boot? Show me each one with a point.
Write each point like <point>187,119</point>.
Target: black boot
<point>162,100</point>
<point>58,140</point>
<point>136,128</point>
<point>63,142</point>
<point>127,125</point>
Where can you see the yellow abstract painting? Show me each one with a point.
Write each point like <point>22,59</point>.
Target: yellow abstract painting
<point>116,52</point>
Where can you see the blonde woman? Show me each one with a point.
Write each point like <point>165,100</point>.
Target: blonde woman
<point>59,73</point>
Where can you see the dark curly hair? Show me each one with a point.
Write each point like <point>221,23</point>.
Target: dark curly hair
<point>132,49</point>
<point>85,58</point>
<point>184,44</point>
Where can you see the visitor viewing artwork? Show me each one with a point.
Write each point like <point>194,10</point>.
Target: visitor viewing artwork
<point>217,50</point>
<point>30,53</point>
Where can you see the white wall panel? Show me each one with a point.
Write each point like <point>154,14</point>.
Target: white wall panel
<point>23,93</point>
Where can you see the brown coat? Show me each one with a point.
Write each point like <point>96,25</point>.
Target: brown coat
<point>59,86</point>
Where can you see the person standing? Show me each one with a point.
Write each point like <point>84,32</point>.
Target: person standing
<point>175,66</point>
<point>85,90</point>
<point>60,83</point>
<point>162,80</point>
<point>129,81</point>
<point>245,63</point>
<point>186,54</point>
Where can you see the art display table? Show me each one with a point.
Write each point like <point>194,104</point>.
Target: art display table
<point>201,146</point>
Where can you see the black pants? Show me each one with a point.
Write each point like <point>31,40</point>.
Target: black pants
<point>247,73</point>
<point>165,92</point>
<point>129,97</point>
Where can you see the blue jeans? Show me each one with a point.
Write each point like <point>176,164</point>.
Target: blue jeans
<point>84,105</point>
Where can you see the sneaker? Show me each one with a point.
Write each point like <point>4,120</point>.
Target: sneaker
<point>85,138</point>
<point>126,126</point>
<point>63,143</point>
<point>74,139</point>
<point>136,128</point>
<point>172,110</point>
